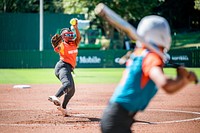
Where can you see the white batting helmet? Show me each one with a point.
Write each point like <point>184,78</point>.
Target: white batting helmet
<point>155,29</point>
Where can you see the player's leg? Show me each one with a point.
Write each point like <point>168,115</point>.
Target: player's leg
<point>54,98</point>
<point>69,94</point>
<point>67,88</point>
<point>67,98</point>
<point>66,79</point>
<point>63,73</point>
<point>115,119</point>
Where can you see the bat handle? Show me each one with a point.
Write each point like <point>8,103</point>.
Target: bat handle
<point>175,65</point>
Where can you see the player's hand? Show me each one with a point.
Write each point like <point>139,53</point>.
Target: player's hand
<point>186,76</point>
<point>76,25</point>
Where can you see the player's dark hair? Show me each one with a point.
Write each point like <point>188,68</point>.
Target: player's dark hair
<point>67,29</point>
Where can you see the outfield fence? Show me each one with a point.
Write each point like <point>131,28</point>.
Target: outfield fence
<point>86,58</point>
<point>19,44</point>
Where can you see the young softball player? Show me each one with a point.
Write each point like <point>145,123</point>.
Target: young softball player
<point>142,77</point>
<point>68,50</point>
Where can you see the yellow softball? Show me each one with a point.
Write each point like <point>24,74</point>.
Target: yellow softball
<point>73,21</point>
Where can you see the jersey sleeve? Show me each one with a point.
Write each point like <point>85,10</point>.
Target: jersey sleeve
<point>150,61</point>
<point>57,49</point>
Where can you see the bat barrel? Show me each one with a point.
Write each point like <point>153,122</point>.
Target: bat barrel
<point>114,19</point>
<point>119,23</point>
<point>99,8</point>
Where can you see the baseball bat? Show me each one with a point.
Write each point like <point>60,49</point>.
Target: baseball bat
<point>115,20</point>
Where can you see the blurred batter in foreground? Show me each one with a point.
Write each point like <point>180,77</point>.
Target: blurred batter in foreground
<point>142,77</point>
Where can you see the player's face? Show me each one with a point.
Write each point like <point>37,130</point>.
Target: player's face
<point>67,36</point>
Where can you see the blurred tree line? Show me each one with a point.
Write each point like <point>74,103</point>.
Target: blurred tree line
<point>182,15</point>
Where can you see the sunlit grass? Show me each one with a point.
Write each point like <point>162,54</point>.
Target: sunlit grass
<point>82,75</point>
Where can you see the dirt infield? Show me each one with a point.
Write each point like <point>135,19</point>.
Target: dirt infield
<point>29,111</point>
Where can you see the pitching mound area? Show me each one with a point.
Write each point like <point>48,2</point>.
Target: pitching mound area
<point>28,110</point>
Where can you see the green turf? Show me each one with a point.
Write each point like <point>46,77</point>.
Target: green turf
<point>82,75</point>
<point>27,76</point>
<point>172,71</point>
<point>46,76</point>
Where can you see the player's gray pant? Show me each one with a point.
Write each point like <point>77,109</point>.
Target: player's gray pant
<point>116,119</point>
<point>63,73</point>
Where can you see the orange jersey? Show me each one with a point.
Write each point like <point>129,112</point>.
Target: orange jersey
<point>149,61</point>
<point>68,53</point>
<point>136,89</point>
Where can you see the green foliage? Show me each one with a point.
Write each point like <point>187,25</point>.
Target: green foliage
<point>129,9</point>
<point>30,6</point>
<point>75,6</point>
<point>19,6</point>
<point>183,18</point>
<point>197,4</point>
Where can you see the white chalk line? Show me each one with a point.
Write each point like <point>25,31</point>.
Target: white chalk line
<point>50,124</point>
<point>96,124</point>
<point>176,111</point>
<point>72,108</point>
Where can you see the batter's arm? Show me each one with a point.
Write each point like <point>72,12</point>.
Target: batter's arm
<point>171,85</point>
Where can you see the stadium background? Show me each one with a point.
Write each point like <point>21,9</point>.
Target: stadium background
<point>19,44</point>
<point>28,110</point>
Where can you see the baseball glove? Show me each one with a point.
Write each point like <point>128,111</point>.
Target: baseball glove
<point>55,40</point>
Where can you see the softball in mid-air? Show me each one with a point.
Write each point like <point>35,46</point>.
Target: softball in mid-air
<point>73,21</point>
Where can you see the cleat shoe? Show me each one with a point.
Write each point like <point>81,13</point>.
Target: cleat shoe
<point>63,111</point>
<point>55,100</point>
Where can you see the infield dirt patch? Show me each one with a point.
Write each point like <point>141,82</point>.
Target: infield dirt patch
<point>29,111</point>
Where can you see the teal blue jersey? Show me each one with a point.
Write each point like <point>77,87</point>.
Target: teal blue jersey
<point>130,94</point>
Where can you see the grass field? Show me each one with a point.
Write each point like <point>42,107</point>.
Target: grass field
<point>29,111</point>
<point>82,75</point>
